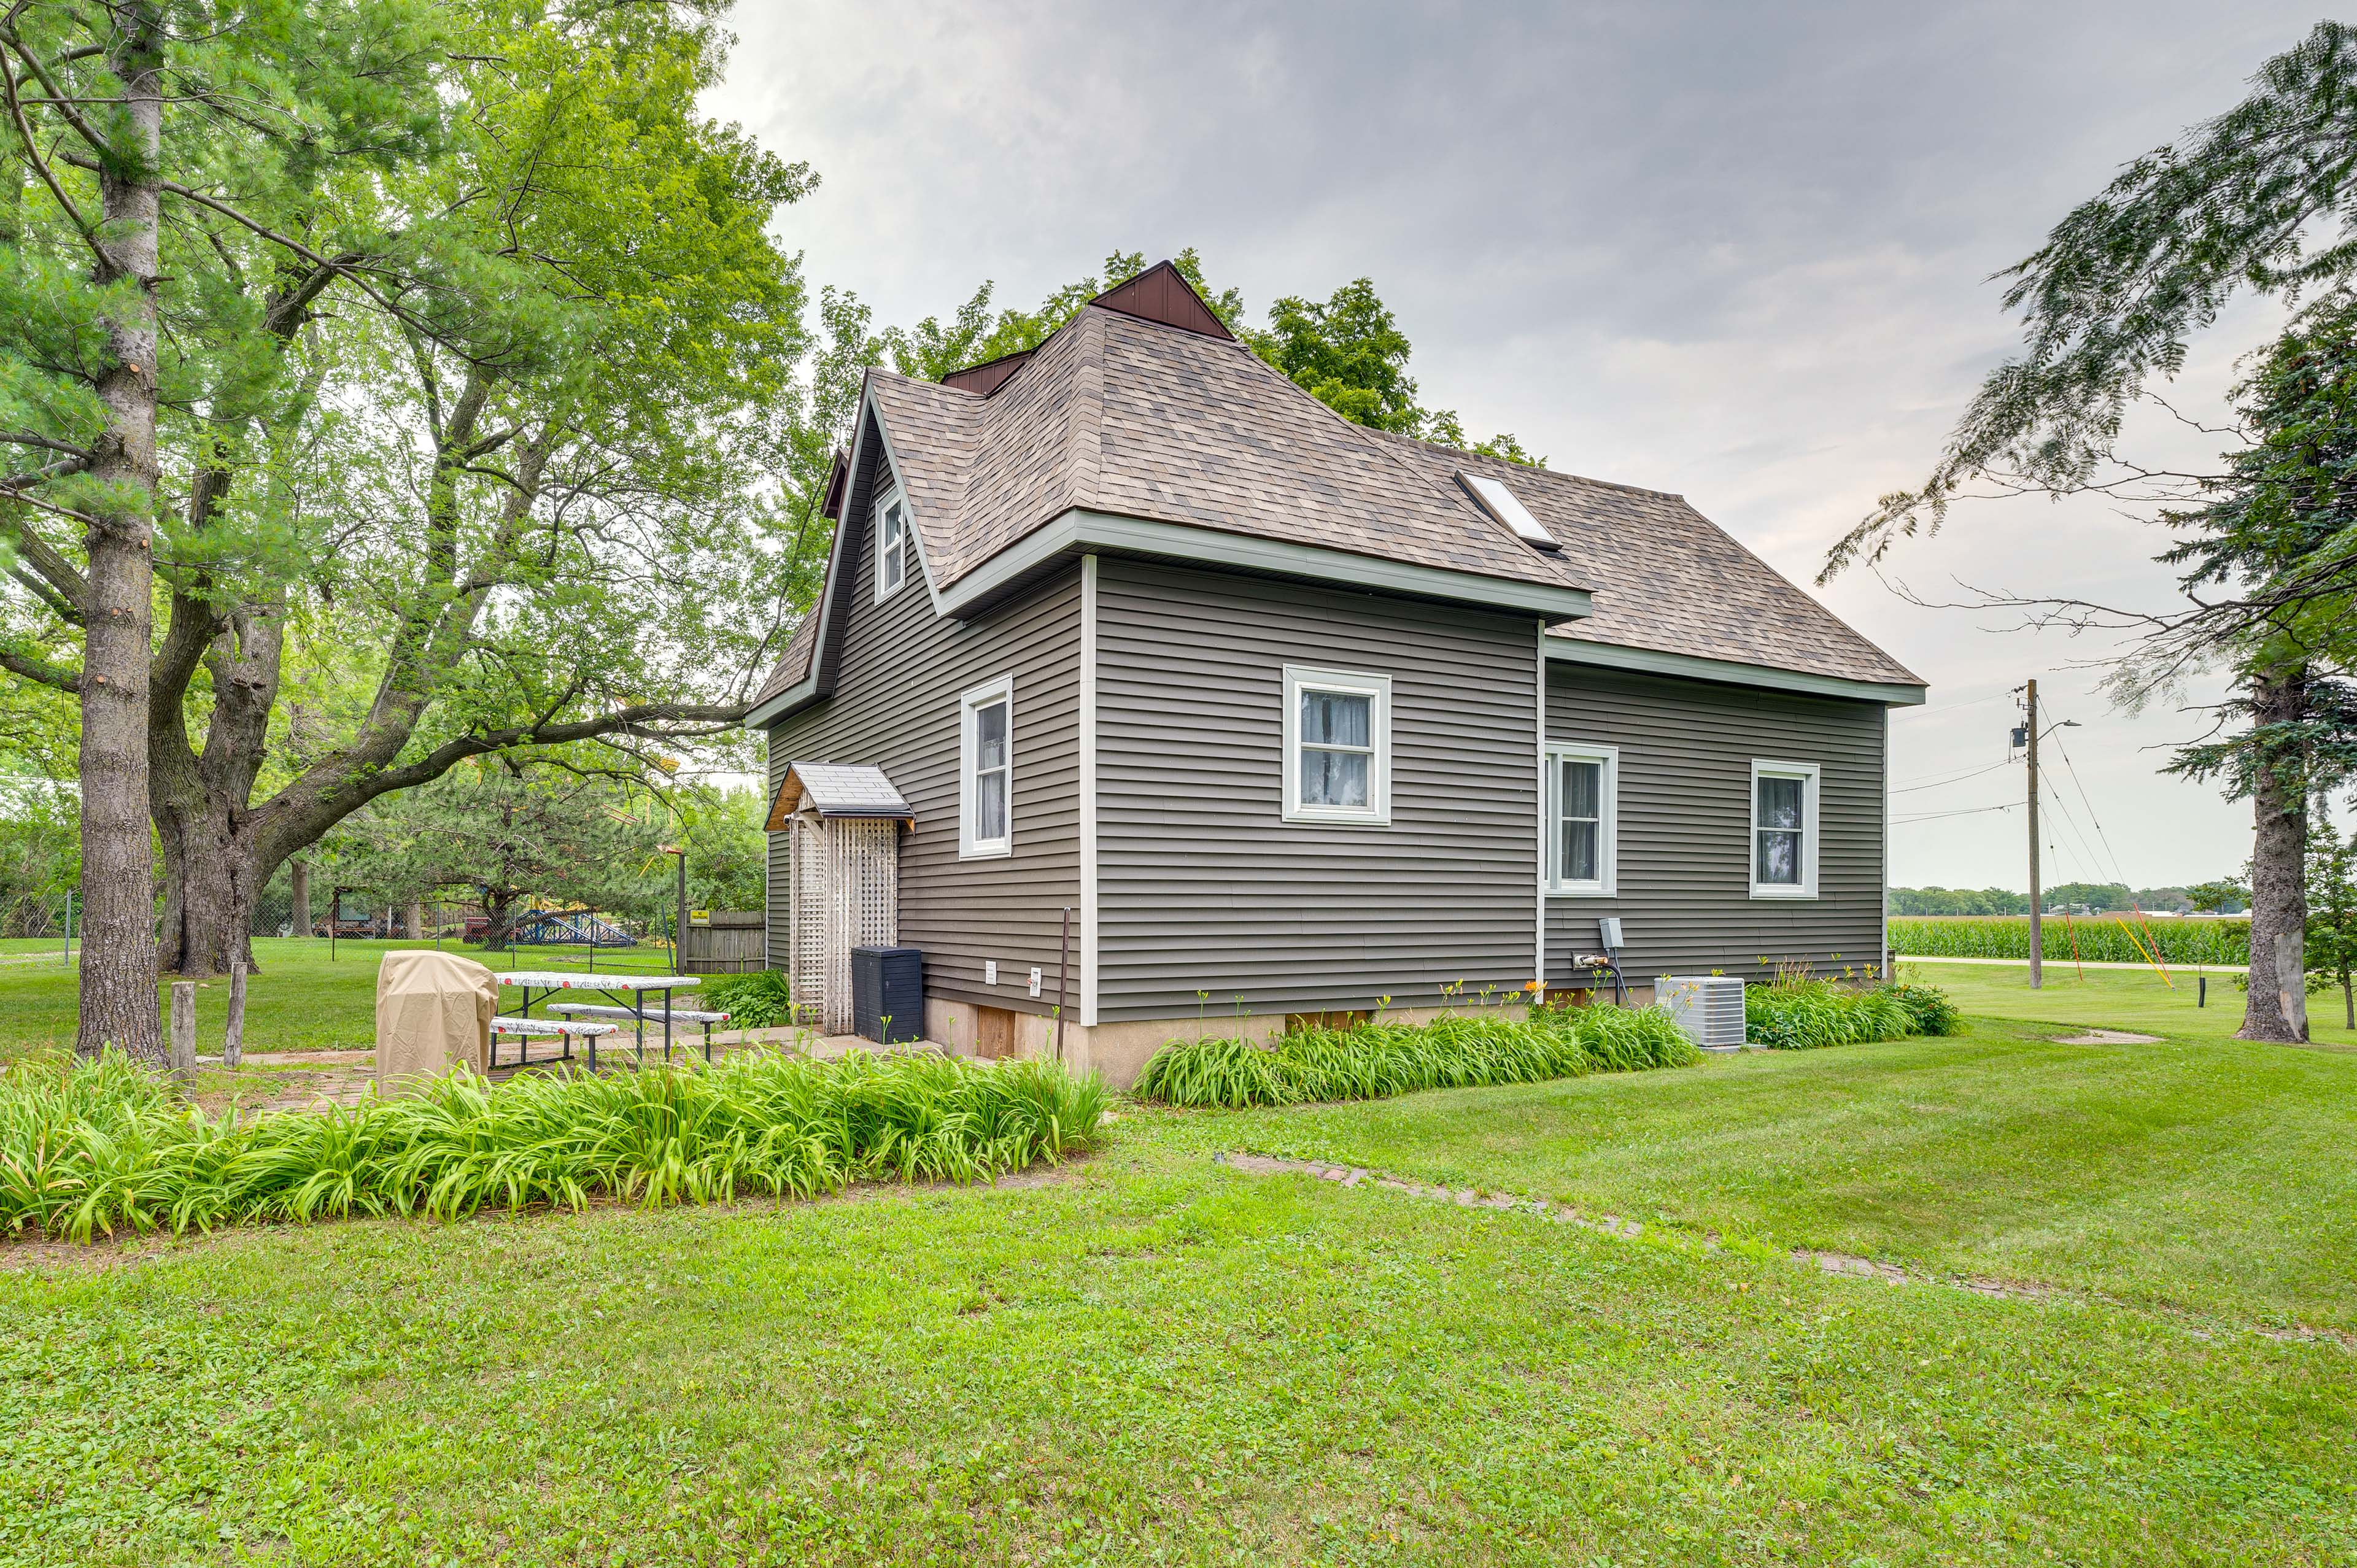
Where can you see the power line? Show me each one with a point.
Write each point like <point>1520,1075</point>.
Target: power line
<point>1942,784</point>
<point>2109,853</point>
<point>1967,812</point>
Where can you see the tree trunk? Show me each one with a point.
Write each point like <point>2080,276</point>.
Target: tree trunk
<point>214,880</point>
<point>499,910</point>
<point>298,879</point>
<point>118,891</point>
<point>413,921</point>
<point>2277,1008</point>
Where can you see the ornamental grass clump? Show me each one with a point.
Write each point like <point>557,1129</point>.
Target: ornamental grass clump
<point>87,1150</point>
<point>1376,1061</point>
<point>1797,1013</point>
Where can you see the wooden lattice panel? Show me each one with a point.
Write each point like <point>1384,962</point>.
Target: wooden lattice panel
<point>846,893</point>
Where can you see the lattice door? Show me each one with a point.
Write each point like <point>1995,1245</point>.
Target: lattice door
<point>846,895</point>
<point>810,909</point>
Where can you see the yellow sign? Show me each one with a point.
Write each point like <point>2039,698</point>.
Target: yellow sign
<point>699,916</point>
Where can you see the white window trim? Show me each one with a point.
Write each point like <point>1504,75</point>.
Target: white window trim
<point>1377,811</point>
<point>983,696</point>
<point>1608,827</point>
<point>1810,776</point>
<point>885,590</point>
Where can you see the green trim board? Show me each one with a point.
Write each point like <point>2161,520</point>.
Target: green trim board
<point>1650,661</point>
<point>1079,531</point>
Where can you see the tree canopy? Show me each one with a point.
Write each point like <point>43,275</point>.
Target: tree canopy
<point>2259,199</point>
<point>475,403</point>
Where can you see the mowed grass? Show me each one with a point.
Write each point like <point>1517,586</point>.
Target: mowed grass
<point>299,999</point>
<point>1149,1357</point>
<point>2137,1000</point>
<point>1152,1360</point>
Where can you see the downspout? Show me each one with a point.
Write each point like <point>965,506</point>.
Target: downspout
<point>1088,791</point>
<point>1539,878</point>
<point>1882,893</point>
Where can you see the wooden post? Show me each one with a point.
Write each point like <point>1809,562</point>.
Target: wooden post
<point>184,1029</point>
<point>2037,929</point>
<point>234,1038</point>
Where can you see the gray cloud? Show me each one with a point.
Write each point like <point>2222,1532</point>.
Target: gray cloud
<point>1737,251</point>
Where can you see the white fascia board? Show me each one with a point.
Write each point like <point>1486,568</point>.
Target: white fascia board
<point>802,690</point>
<point>1650,661</point>
<point>1079,531</point>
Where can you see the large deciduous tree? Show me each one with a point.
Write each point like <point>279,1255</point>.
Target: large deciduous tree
<point>466,359</point>
<point>2259,199</point>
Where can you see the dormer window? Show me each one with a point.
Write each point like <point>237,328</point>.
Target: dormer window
<point>892,544</point>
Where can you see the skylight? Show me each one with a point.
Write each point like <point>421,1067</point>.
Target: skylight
<point>1502,503</point>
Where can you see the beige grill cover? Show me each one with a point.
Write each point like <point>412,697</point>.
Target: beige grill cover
<point>434,1013</point>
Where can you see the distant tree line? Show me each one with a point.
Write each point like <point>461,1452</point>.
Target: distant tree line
<point>2101,897</point>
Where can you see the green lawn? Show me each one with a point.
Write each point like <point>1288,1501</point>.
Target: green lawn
<point>2203,1177</point>
<point>298,999</point>
<point>1152,1357</point>
<point>2135,1000</point>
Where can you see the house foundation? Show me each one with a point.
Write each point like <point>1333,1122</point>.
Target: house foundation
<point>1118,1051</point>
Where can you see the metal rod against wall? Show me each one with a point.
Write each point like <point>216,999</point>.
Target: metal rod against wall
<point>1063,969</point>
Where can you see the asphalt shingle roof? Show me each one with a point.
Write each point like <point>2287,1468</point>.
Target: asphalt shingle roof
<point>843,789</point>
<point>1131,417</point>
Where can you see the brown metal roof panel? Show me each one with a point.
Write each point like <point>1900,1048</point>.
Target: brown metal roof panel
<point>1161,294</point>
<point>990,375</point>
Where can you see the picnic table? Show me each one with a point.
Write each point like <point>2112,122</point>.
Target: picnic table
<point>614,987</point>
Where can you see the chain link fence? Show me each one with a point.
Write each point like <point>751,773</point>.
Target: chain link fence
<point>38,928</point>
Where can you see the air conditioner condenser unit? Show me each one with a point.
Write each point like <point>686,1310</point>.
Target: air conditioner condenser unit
<point>1708,1007</point>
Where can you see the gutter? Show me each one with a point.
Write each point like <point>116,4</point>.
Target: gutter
<point>1650,661</point>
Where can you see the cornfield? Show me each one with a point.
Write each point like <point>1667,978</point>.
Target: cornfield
<point>86,1150</point>
<point>2101,938</point>
<point>1374,1062</point>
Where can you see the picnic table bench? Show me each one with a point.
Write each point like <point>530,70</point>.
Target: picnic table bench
<point>678,1016</point>
<point>523,1031</point>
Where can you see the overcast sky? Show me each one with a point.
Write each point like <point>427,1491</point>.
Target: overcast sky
<point>1737,251</point>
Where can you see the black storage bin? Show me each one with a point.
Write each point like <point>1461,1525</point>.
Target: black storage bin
<point>887,983</point>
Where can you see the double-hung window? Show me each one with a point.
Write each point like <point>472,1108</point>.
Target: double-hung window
<point>1338,747</point>
<point>986,771</point>
<point>1783,829</point>
<point>893,544</point>
<point>1583,799</point>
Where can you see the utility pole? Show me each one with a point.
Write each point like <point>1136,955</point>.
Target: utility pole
<point>2037,932</point>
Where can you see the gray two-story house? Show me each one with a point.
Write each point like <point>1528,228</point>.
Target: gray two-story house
<point>1189,698</point>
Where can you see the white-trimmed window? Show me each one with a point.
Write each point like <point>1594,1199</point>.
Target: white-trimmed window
<point>893,544</point>
<point>1783,829</point>
<point>1337,745</point>
<point>1583,817</point>
<point>986,771</point>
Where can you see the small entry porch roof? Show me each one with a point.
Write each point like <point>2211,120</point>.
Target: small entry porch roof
<point>838,791</point>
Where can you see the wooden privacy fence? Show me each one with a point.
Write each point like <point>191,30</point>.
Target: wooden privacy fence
<point>730,942</point>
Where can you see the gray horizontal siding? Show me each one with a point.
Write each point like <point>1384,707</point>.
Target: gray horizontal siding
<point>1683,884</point>
<point>901,671</point>
<point>1202,887</point>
